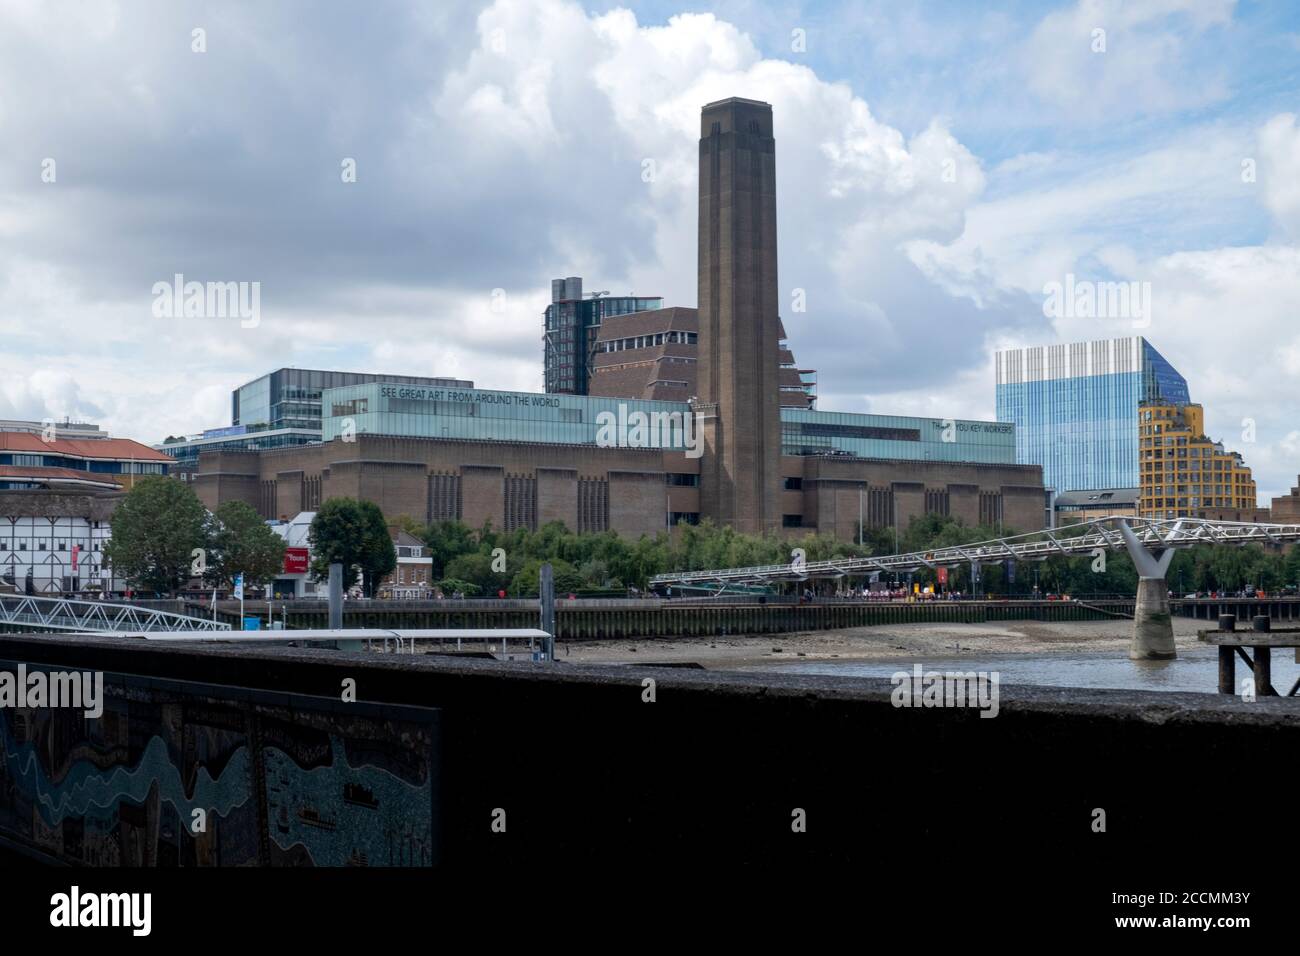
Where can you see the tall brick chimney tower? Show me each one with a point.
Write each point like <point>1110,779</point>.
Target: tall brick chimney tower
<point>739,400</point>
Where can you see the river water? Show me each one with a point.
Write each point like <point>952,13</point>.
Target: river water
<point>1196,669</point>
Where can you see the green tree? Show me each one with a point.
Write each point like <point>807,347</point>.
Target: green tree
<point>156,529</point>
<point>595,574</point>
<point>352,533</point>
<point>476,568</point>
<point>1291,566</point>
<point>242,543</point>
<point>449,586</point>
<point>527,581</point>
<point>409,525</point>
<point>381,555</point>
<point>878,540</point>
<point>447,540</point>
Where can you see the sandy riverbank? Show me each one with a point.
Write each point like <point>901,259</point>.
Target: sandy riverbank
<point>900,641</point>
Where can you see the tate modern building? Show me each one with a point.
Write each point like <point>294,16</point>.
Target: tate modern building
<point>741,444</point>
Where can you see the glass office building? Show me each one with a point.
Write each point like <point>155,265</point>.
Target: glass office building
<point>392,408</point>
<point>278,410</point>
<point>186,450</point>
<point>291,397</point>
<point>1075,407</point>
<point>808,432</point>
<point>571,325</point>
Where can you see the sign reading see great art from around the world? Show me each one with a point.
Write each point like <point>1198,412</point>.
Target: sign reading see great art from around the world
<point>418,393</point>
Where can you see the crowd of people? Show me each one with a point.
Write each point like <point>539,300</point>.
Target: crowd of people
<point>900,593</point>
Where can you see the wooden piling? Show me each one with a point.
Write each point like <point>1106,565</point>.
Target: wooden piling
<point>1227,670</point>
<point>1264,672</point>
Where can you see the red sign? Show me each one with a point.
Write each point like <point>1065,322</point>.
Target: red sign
<point>76,551</point>
<point>295,560</point>
<point>943,576</point>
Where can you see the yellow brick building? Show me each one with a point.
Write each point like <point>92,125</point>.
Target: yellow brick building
<point>1186,475</point>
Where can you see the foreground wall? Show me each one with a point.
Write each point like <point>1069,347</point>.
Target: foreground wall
<point>583,770</point>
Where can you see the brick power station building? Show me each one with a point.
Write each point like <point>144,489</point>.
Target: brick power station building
<point>748,450</point>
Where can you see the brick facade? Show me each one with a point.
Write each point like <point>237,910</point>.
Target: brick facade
<point>594,489</point>
<point>738,372</point>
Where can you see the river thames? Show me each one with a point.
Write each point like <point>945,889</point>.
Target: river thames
<point>1196,669</point>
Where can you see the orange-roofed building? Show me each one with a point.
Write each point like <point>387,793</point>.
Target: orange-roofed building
<point>116,460</point>
<point>57,498</point>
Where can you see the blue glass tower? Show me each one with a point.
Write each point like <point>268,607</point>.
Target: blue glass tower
<point>1075,407</point>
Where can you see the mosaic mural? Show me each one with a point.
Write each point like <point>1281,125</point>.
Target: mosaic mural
<point>311,782</point>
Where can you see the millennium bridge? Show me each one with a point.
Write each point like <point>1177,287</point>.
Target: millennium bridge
<point>1150,542</point>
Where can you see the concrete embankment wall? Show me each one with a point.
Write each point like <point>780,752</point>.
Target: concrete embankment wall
<point>596,620</point>
<point>618,619</point>
<point>589,774</point>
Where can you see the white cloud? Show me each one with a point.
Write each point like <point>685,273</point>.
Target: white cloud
<point>1142,66</point>
<point>499,165</point>
<point>1279,171</point>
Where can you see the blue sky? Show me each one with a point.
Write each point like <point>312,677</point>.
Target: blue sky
<point>939,164</point>
<point>912,61</point>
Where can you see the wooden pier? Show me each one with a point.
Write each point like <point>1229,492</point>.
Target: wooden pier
<point>1260,639</point>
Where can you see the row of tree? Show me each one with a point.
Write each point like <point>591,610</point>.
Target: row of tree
<point>486,561</point>
<point>163,537</point>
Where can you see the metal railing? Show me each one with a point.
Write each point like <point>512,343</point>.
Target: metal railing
<point>401,641</point>
<point>64,614</point>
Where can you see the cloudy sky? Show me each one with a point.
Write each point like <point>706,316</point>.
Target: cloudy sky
<point>939,164</point>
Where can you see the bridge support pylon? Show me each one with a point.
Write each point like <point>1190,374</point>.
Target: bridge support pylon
<point>1153,626</point>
